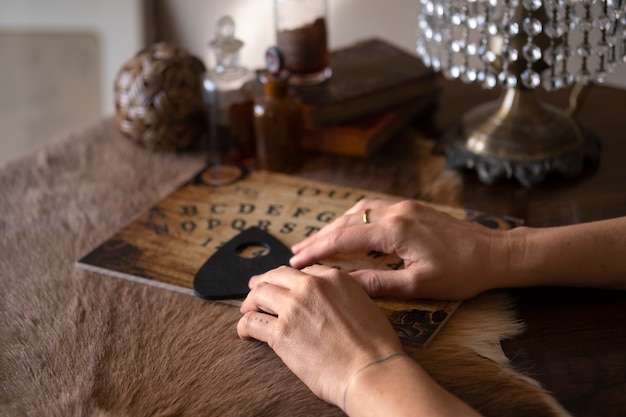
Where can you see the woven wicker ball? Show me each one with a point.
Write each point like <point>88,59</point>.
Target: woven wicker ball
<point>158,98</point>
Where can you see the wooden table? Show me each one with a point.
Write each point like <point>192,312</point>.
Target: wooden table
<point>575,342</point>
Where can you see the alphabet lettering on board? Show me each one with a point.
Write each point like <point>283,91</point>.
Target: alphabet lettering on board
<point>189,210</point>
<point>274,209</point>
<point>156,212</point>
<point>188,226</point>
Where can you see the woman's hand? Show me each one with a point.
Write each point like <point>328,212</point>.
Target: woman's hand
<point>321,324</point>
<point>444,257</point>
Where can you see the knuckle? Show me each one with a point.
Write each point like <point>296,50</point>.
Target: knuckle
<point>335,274</point>
<point>408,206</point>
<point>362,203</point>
<point>374,283</point>
<point>281,269</point>
<point>397,223</point>
<point>256,290</point>
<point>309,283</point>
<point>244,323</point>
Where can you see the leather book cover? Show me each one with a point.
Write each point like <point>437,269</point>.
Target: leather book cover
<point>363,136</point>
<point>368,77</point>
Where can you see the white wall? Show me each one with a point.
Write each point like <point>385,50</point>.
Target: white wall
<point>118,24</point>
<point>58,60</point>
<point>190,22</point>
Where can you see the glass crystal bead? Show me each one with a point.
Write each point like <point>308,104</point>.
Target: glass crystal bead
<point>469,76</point>
<point>530,79</point>
<point>511,28</point>
<point>487,41</point>
<point>489,80</point>
<point>475,21</point>
<point>453,71</point>
<point>582,24</point>
<point>532,26</point>
<point>554,54</point>
<point>582,77</point>
<point>558,83</point>
<point>489,56</point>
<point>471,49</point>
<point>531,5</point>
<point>512,55</point>
<point>548,84</point>
<point>585,50</point>
<point>457,19</point>
<point>457,45</point>
<point>555,30</point>
<point>604,23</point>
<point>507,79</point>
<point>456,71</point>
<point>565,80</point>
<point>599,76</point>
<point>531,52</point>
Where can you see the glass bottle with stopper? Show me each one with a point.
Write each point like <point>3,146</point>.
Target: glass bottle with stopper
<point>302,39</point>
<point>228,99</point>
<point>277,118</point>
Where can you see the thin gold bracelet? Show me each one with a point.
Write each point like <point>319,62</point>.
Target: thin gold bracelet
<point>376,362</point>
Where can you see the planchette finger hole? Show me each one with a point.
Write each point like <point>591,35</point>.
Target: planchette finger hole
<point>252,250</point>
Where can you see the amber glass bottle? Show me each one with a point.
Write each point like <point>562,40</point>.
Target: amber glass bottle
<point>277,121</point>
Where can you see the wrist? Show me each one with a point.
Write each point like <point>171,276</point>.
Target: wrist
<point>510,260</point>
<point>365,380</point>
<point>399,386</point>
<point>363,369</point>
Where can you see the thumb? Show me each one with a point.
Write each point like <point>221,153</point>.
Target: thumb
<point>395,283</point>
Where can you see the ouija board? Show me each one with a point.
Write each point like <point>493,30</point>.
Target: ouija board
<point>167,244</point>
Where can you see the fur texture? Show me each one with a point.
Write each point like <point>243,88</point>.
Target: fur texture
<point>82,344</point>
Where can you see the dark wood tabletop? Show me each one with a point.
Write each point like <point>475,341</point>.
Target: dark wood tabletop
<point>575,342</point>
<point>575,339</point>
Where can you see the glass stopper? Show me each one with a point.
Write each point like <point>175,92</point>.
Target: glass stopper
<point>225,36</point>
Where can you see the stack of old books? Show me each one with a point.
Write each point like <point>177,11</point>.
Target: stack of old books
<point>376,90</point>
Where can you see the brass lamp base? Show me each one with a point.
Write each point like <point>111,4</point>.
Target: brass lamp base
<point>519,137</point>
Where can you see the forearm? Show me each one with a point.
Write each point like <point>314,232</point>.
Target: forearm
<point>400,387</point>
<point>582,255</point>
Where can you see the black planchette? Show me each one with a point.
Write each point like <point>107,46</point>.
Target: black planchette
<point>226,274</point>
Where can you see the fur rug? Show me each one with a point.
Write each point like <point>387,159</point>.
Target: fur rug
<point>74,343</point>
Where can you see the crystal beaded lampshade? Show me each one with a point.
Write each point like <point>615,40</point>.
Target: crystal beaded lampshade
<point>521,45</point>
